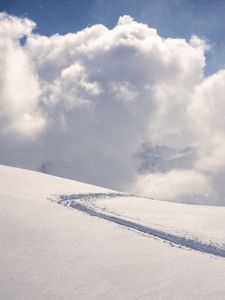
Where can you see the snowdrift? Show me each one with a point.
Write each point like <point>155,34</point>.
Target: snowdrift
<point>103,244</point>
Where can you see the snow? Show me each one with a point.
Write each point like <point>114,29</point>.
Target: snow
<point>53,252</point>
<point>196,226</point>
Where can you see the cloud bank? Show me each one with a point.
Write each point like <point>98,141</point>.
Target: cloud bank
<point>121,107</point>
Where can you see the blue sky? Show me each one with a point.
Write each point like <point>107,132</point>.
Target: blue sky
<point>174,18</point>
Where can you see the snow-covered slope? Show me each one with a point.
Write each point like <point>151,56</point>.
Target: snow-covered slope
<point>108,245</point>
<point>197,227</point>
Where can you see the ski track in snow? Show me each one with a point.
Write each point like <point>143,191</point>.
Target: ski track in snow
<point>85,203</point>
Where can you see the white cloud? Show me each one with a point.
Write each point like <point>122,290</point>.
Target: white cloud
<point>13,27</point>
<point>19,92</point>
<point>181,185</point>
<point>89,100</point>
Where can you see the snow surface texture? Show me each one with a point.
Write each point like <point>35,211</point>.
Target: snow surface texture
<point>159,219</point>
<point>51,252</point>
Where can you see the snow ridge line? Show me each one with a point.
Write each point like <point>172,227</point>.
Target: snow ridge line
<point>194,244</point>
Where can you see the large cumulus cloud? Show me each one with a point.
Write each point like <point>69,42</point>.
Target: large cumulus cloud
<point>99,104</point>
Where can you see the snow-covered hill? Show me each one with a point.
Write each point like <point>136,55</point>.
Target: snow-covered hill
<point>104,244</point>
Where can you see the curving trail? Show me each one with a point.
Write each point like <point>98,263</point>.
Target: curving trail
<point>85,203</point>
